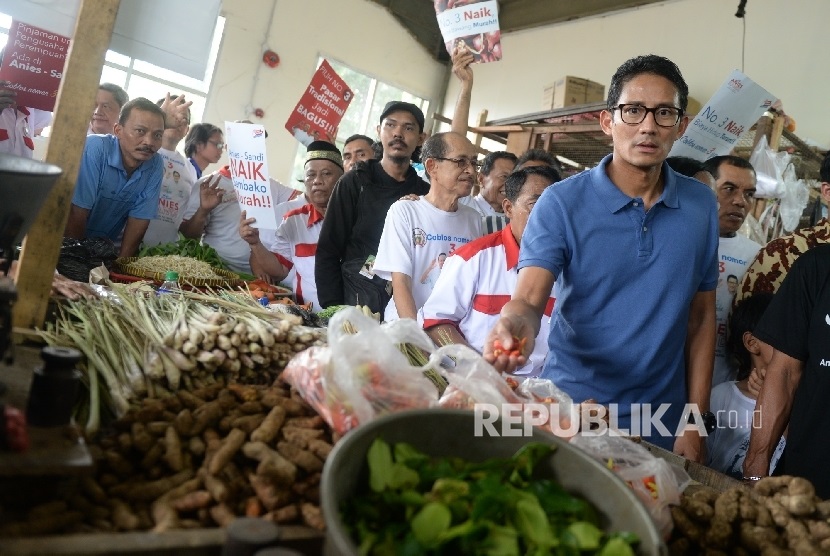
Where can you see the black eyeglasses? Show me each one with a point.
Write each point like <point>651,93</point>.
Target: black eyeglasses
<point>664,116</point>
<point>220,145</point>
<point>462,163</point>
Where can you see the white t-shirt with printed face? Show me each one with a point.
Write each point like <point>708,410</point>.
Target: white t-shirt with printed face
<point>176,185</point>
<point>475,283</point>
<point>416,240</point>
<point>734,256</point>
<point>222,226</point>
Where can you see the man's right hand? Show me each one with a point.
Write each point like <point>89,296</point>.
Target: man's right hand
<point>246,231</point>
<point>210,194</point>
<point>8,97</point>
<point>501,346</point>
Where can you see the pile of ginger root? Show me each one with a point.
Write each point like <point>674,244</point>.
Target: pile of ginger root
<point>776,516</point>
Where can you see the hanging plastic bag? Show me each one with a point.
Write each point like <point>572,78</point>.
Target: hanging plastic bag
<point>769,169</point>
<point>363,373</point>
<point>657,483</point>
<point>794,200</point>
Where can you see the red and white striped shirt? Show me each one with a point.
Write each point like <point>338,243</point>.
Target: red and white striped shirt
<point>296,247</point>
<point>474,285</point>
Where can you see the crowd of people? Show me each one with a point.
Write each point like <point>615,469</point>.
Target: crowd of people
<point>629,284</point>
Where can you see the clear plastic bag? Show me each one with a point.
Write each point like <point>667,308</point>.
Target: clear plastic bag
<point>769,168</point>
<point>794,200</point>
<point>362,374</point>
<point>657,483</point>
<point>473,381</point>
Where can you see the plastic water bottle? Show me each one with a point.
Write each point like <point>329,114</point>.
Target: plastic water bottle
<point>170,284</point>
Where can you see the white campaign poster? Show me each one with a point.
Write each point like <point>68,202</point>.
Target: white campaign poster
<point>249,172</point>
<point>731,111</point>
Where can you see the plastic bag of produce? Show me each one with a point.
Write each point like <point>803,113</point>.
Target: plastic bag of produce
<point>363,374</point>
<point>475,384</point>
<point>657,483</point>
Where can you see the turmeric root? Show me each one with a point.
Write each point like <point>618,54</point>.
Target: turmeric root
<point>230,446</point>
<point>270,427</point>
<point>192,501</point>
<point>312,516</point>
<point>173,450</point>
<point>122,516</point>
<point>301,458</point>
<point>300,436</point>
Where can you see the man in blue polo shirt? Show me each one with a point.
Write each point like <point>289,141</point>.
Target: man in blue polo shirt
<point>120,176</point>
<point>632,246</point>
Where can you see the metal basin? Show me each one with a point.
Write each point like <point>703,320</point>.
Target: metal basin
<point>442,432</point>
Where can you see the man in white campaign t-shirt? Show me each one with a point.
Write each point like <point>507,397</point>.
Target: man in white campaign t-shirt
<point>295,246</point>
<point>176,183</point>
<point>479,278</point>
<point>416,233</point>
<point>213,214</point>
<point>735,189</point>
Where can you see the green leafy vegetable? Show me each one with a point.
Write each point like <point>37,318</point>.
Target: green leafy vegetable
<point>418,505</point>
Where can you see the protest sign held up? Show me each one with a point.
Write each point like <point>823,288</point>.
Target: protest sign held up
<point>249,171</point>
<point>321,107</point>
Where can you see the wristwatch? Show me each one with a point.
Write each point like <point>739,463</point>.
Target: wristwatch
<point>710,422</point>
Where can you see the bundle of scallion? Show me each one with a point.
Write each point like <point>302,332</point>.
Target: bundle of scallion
<point>139,346</point>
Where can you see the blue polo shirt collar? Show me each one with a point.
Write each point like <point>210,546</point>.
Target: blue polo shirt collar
<point>614,199</point>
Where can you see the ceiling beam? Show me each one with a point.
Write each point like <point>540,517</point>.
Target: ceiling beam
<point>515,15</point>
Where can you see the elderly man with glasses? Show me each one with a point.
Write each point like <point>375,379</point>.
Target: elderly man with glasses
<point>632,246</point>
<point>417,233</point>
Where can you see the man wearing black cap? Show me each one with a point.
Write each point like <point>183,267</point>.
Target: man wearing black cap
<point>297,235</point>
<point>357,210</point>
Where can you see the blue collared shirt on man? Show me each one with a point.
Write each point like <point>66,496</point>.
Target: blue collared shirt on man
<point>111,196</point>
<point>623,348</point>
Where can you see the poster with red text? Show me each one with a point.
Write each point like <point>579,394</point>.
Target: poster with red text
<point>249,172</point>
<point>33,65</point>
<point>321,107</point>
<point>471,24</point>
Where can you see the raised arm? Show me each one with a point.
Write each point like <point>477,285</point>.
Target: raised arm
<point>461,60</point>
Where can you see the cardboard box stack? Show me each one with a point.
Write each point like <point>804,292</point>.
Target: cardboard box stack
<point>571,90</point>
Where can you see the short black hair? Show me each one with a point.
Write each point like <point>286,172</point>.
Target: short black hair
<point>139,103</point>
<point>537,155</point>
<point>119,94</point>
<point>651,63</point>
<point>744,318</point>
<point>713,164</point>
<point>358,137</point>
<point>824,171</point>
<point>686,165</point>
<point>199,134</point>
<point>491,158</point>
<point>516,181</point>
